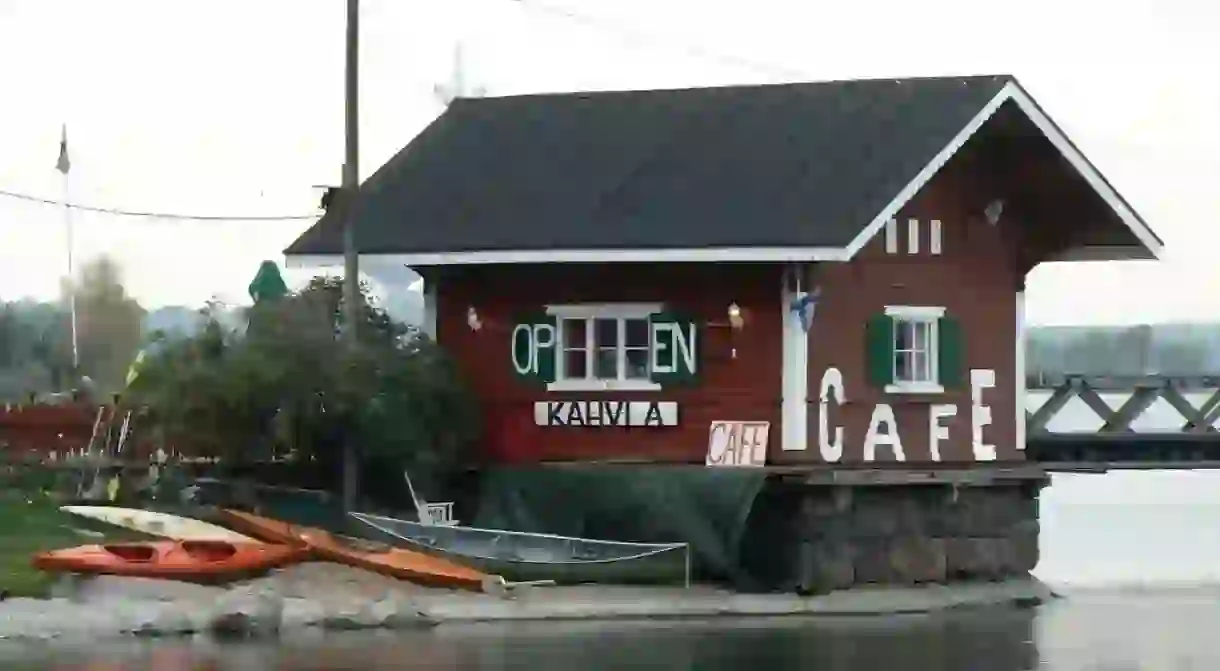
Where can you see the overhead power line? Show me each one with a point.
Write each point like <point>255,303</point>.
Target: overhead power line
<point>155,215</point>
<point>694,51</point>
<point>632,35</point>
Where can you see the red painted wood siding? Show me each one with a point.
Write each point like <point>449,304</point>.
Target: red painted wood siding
<point>745,388</point>
<point>974,278</point>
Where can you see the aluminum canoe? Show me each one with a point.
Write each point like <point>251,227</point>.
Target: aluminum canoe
<point>523,556</point>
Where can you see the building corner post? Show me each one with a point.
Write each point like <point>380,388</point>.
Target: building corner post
<point>794,371</point>
<point>429,321</point>
<point>1020,374</point>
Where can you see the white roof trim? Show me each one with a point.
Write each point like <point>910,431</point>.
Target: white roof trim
<point>700,255</point>
<point>1011,91</point>
<point>915,311</point>
<point>604,310</point>
<point>370,264</point>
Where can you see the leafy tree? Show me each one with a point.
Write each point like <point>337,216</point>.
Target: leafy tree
<point>36,338</point>
<point>108,323</point>
<point>10,335</point>
<point>288,381</point>
<point>21,370</point>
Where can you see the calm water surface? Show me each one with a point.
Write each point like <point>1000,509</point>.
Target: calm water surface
<point>1137,555</point>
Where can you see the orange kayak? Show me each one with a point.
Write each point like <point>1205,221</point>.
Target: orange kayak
<point>192,561</point>
<point>395,562</point>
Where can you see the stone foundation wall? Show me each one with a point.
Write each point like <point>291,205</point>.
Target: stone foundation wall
<point>826,538</point>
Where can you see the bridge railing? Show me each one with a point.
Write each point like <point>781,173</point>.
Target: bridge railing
<point>1120,382</point>
<point>1123,404</point>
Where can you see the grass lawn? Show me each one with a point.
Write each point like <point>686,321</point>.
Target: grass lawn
<point>26,528</point>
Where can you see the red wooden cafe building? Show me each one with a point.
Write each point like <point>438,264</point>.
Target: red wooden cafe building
<point>799,274</point>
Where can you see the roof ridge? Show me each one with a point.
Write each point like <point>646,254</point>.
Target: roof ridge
<point>599,93</point>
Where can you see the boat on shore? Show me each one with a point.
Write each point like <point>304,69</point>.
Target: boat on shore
<point>380,558</point>
<point>159,524</point>
<point>522,556</point>
<point>207,561</point>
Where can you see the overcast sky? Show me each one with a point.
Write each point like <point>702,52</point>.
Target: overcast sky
<point>231,107</point>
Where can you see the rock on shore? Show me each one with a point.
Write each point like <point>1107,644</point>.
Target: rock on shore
<point>330,596</point>
<point>308,595</point>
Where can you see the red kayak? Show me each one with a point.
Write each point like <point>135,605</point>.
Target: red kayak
<point>191,561</point>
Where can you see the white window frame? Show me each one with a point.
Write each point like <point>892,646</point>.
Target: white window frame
<point>590,311</point>
<point>930,315</point>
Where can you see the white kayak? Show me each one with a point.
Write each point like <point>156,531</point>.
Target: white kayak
<point>158,524</point>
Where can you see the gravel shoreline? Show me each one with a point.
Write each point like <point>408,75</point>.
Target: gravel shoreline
<point>333,597</point>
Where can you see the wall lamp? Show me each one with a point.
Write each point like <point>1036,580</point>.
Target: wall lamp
<point>993,211</point>
<point>736,322</point>
<point>473,320</point>
<point>736,318</point>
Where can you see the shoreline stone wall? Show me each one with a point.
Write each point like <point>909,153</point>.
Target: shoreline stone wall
<point>815,539</point>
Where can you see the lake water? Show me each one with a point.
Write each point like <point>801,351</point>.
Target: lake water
<point>1137,555</point>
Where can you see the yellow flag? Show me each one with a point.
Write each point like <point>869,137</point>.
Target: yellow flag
<point>134,370</point>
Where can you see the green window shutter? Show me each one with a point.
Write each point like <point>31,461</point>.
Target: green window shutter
<point>950,353</point>
<point>879,350</point>
<point>677,347</point>
<point>534,346</point>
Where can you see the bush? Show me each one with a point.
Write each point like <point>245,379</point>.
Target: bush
<point>287,385</point>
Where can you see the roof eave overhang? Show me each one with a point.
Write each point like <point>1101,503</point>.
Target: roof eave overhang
<point>1104,253</point>
<point>1149,245</point>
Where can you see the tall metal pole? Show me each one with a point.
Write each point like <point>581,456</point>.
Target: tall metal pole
<point>64,166</point>
<point>71,275</point>
<point>351,260</point>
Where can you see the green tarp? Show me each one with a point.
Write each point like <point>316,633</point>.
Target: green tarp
<point>704,507</point>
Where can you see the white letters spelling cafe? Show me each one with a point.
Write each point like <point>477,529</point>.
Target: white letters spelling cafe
<point>883,429</point>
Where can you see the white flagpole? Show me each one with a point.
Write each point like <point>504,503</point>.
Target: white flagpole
<point>64,166</point>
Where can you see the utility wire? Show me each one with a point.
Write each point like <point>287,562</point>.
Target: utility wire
<point>154,215</point>
<point>636,36</point>
<point>630,35</point>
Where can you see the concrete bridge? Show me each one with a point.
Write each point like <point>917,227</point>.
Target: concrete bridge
<point>1094,423</point>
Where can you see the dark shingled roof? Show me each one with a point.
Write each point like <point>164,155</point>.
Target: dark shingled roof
<point>790,165</point>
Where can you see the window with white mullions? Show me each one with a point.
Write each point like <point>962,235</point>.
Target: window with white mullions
<point>605,348</point>
<point>607,338</point>
<point>913,352</point>
<point>576,344</point>
<point>913,349</point>
<point>637,348</point>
